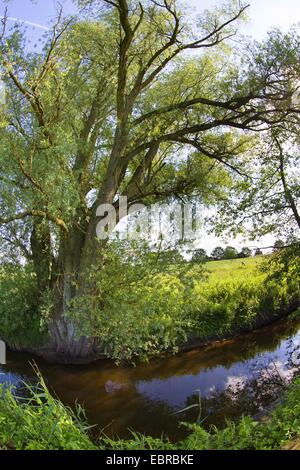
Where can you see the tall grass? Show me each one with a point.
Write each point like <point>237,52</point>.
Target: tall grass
<point>40,421</point>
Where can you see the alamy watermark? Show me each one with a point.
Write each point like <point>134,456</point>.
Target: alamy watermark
<point>2,353</point>
<point>180,221</point>
<point>2,92</point>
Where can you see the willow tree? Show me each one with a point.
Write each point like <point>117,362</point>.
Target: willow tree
<point>108,108</point>
<point>267,202</point>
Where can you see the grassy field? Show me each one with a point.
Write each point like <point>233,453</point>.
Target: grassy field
<point>237,296</point>
<point>236,269</point>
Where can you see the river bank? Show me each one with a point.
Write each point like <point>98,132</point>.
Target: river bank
<point>193,342</point>
<point>261,322</point>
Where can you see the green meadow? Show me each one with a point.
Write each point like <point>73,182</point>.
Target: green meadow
<point>235,269</point>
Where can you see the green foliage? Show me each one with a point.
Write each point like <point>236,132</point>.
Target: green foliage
<point>144,305</point>
<point>19,312</point>
<point>284,263</point>
<point>265,198</point>
<point>139,307</point>
<point>230,252</point>
<point>40,422</point>
<point>218,253</point>
<point>239,297</point>
<point>245,253</point>
<point>226,307</point>
<point>199,256</point>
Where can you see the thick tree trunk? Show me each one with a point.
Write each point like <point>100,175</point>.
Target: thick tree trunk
<point>42,255</point>
<point>67,277</point>
<point>67,344</point>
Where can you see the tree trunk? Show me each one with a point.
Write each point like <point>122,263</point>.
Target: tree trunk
<point>67,345</point>
<point>67,277</point>
<point>42,255</point>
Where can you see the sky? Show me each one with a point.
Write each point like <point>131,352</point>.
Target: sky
<point>263,16</point>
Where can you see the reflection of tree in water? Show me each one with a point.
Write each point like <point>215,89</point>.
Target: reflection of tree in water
<point>243,396</point>
<point>294,354</point>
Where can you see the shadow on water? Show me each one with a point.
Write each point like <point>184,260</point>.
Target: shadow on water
<point>234,377</point>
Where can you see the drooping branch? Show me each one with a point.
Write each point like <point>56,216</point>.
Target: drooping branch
<point>48,64</point>
<point>219,157</point>
<point>288,195</point>
<point>231,105</point>
<point>35,213</point>
<point>31,93</point>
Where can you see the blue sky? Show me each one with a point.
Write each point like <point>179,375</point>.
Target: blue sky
<point>264,14</point>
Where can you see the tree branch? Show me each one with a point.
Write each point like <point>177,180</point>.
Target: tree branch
<point>231,105</point>
<point>35,213</point>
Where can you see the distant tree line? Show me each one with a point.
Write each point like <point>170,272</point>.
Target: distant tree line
<point>229,252</point>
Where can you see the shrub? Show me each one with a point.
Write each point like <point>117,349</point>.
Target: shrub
<point>228,306</point>
<point>143,306</point>
<point>139,307</point>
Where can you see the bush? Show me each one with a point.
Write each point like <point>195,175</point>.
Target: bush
<point>142,306</point>
<point>139,306</point>
<point>226,307</point>
<point>222,308</point>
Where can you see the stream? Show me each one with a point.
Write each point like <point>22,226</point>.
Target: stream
<point>229,379</point>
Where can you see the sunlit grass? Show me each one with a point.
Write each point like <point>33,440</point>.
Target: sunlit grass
<point>236,269</point>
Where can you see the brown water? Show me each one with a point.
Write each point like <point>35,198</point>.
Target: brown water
<point>235,377</point>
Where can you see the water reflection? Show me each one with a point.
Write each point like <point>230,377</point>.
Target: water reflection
<point>235,377</point>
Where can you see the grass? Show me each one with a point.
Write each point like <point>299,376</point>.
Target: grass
<point>40,422</point>
<point>236,269</point>
<point>233,298</point>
